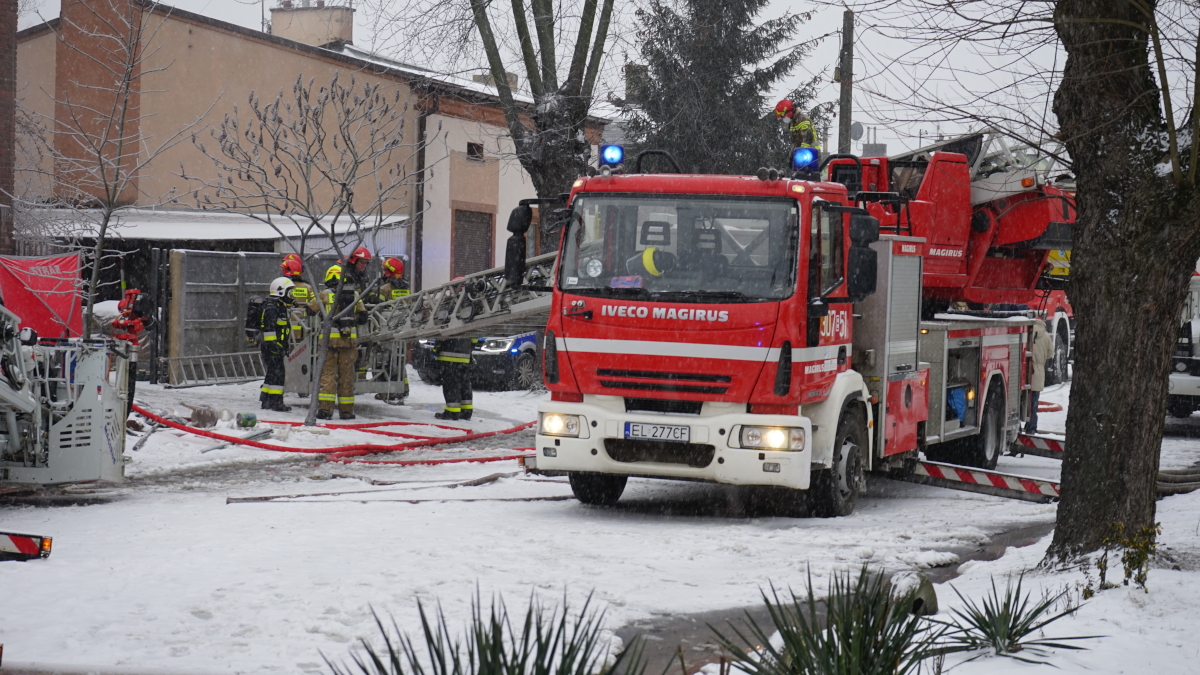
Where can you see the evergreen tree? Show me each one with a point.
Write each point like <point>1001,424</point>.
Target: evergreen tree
<point>703,93</point>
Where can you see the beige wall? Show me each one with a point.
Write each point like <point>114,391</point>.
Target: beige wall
<point>314,26</point>
<point>35,93</point>
<point>206,66</point>
<point>494,186</point>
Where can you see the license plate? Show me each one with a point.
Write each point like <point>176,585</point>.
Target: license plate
<point>658,432</point>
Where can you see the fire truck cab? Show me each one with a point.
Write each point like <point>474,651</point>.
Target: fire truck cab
<point>763,332</point>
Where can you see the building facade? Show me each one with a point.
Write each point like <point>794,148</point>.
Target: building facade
<point>194,71</point>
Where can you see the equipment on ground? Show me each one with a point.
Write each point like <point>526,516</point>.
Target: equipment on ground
<point>800,339</point>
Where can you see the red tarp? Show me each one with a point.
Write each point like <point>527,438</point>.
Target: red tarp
<point>44,292</point>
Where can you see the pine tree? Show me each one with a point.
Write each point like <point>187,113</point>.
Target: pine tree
<point>704,93</point>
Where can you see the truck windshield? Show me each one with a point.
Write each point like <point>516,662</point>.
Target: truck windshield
<point>681,248</point>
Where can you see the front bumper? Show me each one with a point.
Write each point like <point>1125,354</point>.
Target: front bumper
<point>493,366</point>
<point>1182,384</point>
<point>604,420</point>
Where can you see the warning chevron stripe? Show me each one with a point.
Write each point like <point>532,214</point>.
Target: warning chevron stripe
<point>988,479</point>
<point>1041,442</point>
<point>23,546</point>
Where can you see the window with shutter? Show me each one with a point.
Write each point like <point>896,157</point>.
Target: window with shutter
<point>473,243</point>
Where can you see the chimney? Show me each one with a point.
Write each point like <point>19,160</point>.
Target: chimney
<point>313,22</point>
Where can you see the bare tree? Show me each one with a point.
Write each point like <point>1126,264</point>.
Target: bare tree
<point>330,162</point>
<point>93,147</point>
<point>1112,83</point>
<point>561,57</point>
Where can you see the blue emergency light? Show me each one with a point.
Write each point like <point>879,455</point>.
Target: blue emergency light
<point>806,159</point>
<point>612,155</point>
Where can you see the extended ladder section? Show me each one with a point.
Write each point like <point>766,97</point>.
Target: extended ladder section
<point>479,304</point>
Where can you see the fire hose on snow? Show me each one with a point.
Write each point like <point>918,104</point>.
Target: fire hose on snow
<point>346,454</point>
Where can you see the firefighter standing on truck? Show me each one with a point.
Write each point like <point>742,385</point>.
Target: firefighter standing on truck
<point>276,326</point>
<point>804,134</point>
<point>339,376</point>
<point>454,357</point>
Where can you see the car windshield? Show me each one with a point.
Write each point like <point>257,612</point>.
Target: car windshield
<point>681,248</point>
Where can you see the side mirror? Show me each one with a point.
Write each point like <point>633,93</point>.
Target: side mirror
<point>520,219</point>
<point>864,230</point>
<point>514,252</point>
<point>861,273</point>
<point>514,261</point>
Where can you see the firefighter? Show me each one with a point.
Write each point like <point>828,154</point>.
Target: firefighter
<point>804,134</point>
<point>276,343</point>
<point>303,297</point>
<point>338,377</point>
<point>128,326</point>
<point>1042,350</point>
<point>454,359</point>
<point>394,285</point>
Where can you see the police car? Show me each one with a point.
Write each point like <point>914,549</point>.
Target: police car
<point>498,362</point>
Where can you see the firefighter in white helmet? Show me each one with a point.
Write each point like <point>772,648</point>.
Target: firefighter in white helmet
<point>276,328</point>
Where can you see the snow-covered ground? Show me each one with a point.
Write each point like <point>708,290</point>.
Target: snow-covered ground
<point>166,576</point>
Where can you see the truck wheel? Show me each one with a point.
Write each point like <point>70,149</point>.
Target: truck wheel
<point>1056,367</point>
<point>984,450</point>
<point>525,372</point>
<point>599,489</point>
<point>430,377</point>
<point>1180,408</point>
<point>834,492</point>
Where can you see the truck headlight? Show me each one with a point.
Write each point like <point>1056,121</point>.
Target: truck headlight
<point>554,424</point>
<point>496,345</point>
<point>772,438</point>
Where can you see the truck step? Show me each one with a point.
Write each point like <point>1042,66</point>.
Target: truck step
<point>1040,445</point>
<point>969,479</point>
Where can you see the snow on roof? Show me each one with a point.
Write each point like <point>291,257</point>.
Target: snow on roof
<point>347,49</point>
<point>194,225</point>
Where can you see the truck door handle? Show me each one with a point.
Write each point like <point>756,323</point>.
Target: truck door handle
<point>587,314</point>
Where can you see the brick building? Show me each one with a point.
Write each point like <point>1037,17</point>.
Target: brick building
<point>468,177</point>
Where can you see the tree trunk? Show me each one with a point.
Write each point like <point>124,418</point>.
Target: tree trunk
<point>1135,245</point>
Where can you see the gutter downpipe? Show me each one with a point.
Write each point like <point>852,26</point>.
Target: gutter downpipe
<point>418,234</point>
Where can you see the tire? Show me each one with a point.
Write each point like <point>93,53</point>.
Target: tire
<point>597,489</point>
<point>1057,368</point>
<point>525,372</point>
<point>984,449</point>
<point>833,493</point>
<point>430,377</point>
<point>1181,409</point>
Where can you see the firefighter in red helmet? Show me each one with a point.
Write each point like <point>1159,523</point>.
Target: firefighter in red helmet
<point>804,134</point>
<point>136,316</point>
<point>394,287</point>
<point>339,376</point>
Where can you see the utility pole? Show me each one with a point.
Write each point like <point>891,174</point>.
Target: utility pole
<point>846,69</point>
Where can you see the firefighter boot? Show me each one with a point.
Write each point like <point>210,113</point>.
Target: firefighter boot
<point>277,405</point>
<point>446,415</point>
<point>324,415</point>
<point>346,415</point>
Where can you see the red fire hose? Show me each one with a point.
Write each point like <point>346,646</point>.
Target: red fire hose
<point>342,454</point>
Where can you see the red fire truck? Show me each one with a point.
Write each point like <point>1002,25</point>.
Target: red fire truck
<point>768,332</point>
